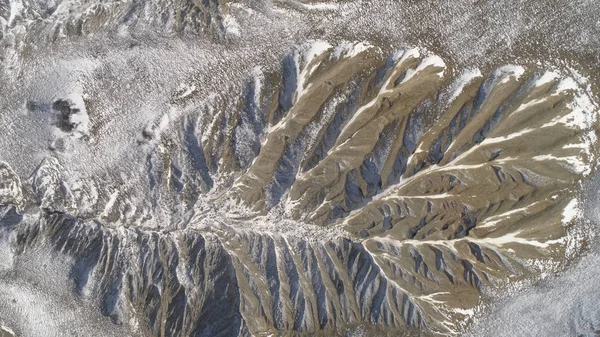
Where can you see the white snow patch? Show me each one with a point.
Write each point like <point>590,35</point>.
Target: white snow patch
<point>500,139</point>
<point>306,56</point>
<point>232,27</point>
<point>80,119</point>
<point>465,312</point>
<point>259,78</point>
<point>584,111</point>
<point>571,211</point>
<point>578,77</point>
<point>350,49</point>
<point>493,220</point>
<point>464,79</point>
<point>404,55</point>
<point>510,71</point>
<point>110,204</point>
<point>512,238</point>
<point>16,7</point>
<point>314,49</point>
<point>575,146</point>
<point>430,61</point>
<point>7,329</point>
<point>548,77</point>
<point>567,84</point>
<point>530,104</point>
<point>576,164</point>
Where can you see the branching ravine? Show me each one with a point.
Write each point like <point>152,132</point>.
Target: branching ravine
<point>345,186</point>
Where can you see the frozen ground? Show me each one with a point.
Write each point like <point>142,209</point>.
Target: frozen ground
<point>327,164</point>
<point>562,305</point>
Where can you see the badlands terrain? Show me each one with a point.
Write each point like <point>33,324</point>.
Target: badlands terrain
<point>298,168</point>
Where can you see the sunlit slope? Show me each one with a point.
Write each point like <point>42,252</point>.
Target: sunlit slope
<point>349,187</point>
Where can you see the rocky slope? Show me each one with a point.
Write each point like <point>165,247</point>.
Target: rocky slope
<point>161,187</point>
<point>351,187</point>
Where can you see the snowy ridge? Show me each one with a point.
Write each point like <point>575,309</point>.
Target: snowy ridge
<point>334,190</point>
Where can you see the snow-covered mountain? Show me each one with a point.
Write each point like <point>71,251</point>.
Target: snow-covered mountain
<point>213,168</point>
